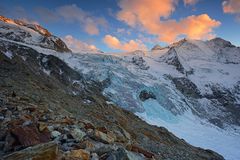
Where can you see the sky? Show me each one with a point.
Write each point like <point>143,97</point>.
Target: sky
<point>127,25</point>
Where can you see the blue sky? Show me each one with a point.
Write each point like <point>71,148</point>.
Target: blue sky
<point>107,17</point>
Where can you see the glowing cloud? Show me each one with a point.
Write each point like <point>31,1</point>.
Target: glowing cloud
<point>190,2</point>
<point>152,16</point>
<point>114,43</point>
<point>231,6</point>
<point>76,45</point>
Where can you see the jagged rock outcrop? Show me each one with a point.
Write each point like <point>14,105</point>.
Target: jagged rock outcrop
<point>187,87</point>
<point>171,58</point>
<point>144,95</point>
<point>140,62</point>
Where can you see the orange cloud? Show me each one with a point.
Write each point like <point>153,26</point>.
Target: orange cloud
<point>114,43</point>
<point>90,27</point>
<point>152,16</point>
<point>144,11</point>
<point>190,2</point>
<point>77,46</point>
<point>231,6</point>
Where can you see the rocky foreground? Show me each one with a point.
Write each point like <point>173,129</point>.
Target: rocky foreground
<point>49,111</point>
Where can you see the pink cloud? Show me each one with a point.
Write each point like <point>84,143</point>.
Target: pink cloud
<point>190,2</point>
<point>153,17</point>
<point>132,45</point>
<point>76,45</point>
<point>231,6</point>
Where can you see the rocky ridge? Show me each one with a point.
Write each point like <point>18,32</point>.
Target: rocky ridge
<point>32,34</point>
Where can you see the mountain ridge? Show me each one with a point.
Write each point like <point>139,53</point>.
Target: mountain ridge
<point>34,34</point>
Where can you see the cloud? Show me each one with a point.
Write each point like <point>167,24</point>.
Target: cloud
<point>154,19</point>
<point>29,21</point>
<point>123,31</point>
<point>73,14</point>
<point>47,15</point>
<point>132,45</point>
<point>190,2</point>
<point>76,45</point>
<point>19,13</point>
<point>231,6</point>
<point>194,27</point>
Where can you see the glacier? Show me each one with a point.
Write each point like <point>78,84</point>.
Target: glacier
<point>125,75</point>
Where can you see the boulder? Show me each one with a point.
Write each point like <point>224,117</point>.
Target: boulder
<point>47,151</point>
<point>55,134</point>
<point>29,135</point>
<point>77,134</point>
<point>103,137</point>
<point>78,154</point>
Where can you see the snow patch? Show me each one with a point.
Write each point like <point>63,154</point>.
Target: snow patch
<point>9,54</point>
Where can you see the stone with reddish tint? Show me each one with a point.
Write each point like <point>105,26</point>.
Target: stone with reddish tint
<point>29,135</point>
<point>137,149</point>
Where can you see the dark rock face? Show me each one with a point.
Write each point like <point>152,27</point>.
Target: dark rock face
<point>41,102</point>
<point>140,62</point>
<point>171,58</point>
<point>187,87</point>
<point>144,95</point>
<point>225,98</point>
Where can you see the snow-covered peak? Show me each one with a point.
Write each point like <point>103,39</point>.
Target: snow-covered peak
<point>219,42</point>
<point>157,47</point>
<point>33,34</point>
<point>35,27</point>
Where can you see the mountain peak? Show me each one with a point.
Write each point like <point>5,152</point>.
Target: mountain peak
<point>220,42</point>
<point>178,43</point>
<point>33,34</point>
<point>35,27</point>
<point>157,47</point>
